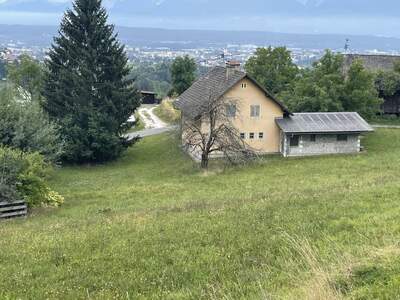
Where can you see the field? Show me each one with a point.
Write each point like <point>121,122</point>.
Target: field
<point>152,226</point>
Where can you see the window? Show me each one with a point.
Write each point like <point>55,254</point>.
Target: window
<point>313,138</point>
<point>261,135</point>
<point>230,110</point>
<point>342,138</point>
<point>243,136</point>
<point>255,111</point>
<point>244,85</point>
<point>252,135</point>
<point>294,141</point>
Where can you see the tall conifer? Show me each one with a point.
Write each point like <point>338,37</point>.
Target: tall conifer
<point>86,89</point>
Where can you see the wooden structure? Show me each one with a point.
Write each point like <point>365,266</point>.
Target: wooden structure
<point>13,209</point>
<point>149,97</point>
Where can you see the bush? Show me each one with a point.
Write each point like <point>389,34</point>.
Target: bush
<point>24,125</point>
<point>23,177</point>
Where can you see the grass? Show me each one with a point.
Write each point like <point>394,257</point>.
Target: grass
<point>152,226</point>
<point>166,112</point>
<point>385,120</point>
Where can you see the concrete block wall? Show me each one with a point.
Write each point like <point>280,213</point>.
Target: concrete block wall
<point>324,144</point>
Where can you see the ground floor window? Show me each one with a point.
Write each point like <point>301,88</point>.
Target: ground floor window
<point>252,135</point>
<point>313,138</point>
<point>261,135</point>
<point>243,136</point>
<point>342,138</point>
<point>294,141</point>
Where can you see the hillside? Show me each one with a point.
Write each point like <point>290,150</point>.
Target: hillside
<point>150,226</point>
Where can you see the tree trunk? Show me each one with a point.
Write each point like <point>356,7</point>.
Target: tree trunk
<point>204,161</point>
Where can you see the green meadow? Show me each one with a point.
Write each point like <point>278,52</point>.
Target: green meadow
<point>153,226</point>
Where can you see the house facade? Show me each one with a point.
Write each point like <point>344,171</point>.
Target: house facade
<point>264,123</point>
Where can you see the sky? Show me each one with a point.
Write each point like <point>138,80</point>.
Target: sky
<point>365,17</point>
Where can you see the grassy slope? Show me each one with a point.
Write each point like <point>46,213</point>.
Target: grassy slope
<point>166,112</point>
<point>150,226</point>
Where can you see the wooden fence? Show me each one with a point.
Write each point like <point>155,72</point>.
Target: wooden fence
<point>13,209</point>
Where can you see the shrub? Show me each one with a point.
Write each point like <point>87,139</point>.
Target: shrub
<point>23,177</point>
<point>24,125</point>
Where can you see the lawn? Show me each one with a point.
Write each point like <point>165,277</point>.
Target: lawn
<point>151,226</point>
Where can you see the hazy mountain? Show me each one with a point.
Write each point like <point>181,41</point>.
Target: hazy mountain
<point>377,17</point>
<point>178,39</point>
<point>207,7</point>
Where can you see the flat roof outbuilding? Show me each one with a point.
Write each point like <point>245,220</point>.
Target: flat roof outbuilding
<point>319,123</point>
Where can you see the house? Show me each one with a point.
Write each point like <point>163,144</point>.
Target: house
<point>149,97</point>
<point>375,63</point>
<point>265,124</point>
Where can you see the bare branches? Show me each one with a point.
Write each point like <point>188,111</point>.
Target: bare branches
<point>213,133</point>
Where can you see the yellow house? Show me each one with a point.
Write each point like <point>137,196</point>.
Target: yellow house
<point>255,108</point>
<point>262,122</point>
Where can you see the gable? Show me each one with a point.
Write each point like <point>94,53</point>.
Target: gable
<point>248,92</point>
<point>218,81</point>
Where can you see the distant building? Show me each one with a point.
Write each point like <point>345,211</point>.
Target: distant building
<point>264,123</point>
<point>149,97</point>
<point>376,63</point>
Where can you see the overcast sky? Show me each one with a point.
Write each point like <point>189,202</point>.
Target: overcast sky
<point>367,17</point>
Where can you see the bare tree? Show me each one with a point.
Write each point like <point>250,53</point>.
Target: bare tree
<point>212,133</point>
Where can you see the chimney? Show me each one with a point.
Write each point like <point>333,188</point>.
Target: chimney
<point>231,67</point>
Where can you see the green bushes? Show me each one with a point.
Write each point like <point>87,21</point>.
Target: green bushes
<point>29,142</point>
<point>24,126</point>
<point>22,177</point>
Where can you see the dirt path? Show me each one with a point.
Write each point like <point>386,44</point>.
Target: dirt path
<point>153,124</point>
<point>149,119</point>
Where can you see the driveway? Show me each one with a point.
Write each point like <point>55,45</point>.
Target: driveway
<point>153,124</point>
<point>149,119</point>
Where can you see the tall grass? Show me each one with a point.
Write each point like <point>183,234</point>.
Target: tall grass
<point>166,112</point>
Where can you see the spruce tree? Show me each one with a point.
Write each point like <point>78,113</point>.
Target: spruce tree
<point>86,89</point>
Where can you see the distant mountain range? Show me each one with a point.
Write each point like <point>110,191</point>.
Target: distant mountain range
<point>207,7</point>
<point>362,17</point>
<point>177,39</point>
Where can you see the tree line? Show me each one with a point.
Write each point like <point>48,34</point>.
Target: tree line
<point>324,87</point>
